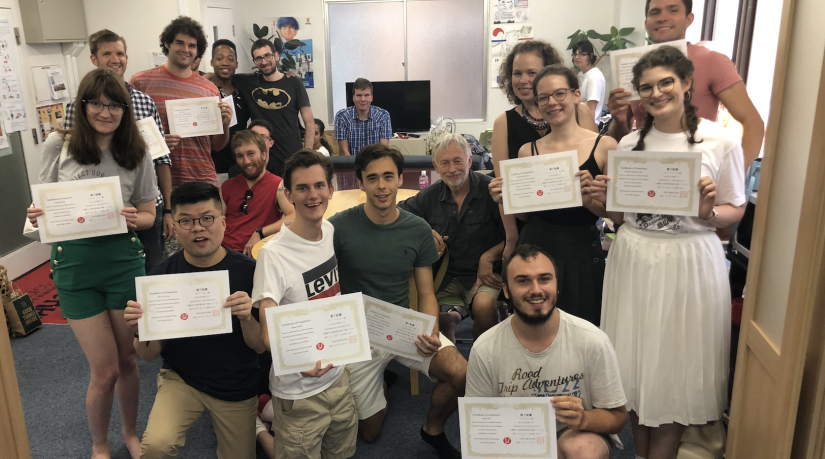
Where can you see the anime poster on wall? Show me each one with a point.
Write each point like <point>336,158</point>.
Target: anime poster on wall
<point>296,34</point>
<point>510,11</point>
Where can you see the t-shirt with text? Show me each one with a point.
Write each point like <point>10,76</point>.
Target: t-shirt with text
<point>278,102</point>
<point>377,260</point>
<point>580,363</point>
<point>192,159</point>
<point>292,270</point>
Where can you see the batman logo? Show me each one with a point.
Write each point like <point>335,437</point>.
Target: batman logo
<point>271,98</point>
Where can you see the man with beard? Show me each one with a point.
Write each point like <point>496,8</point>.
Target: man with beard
<point>224,64</point>
<point>272,96</point>
<point>254,202</point>
<point>542,351</point>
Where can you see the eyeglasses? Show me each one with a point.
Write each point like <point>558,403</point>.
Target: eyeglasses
<point>245,205</point>
<point>559,95</point>
<point>579,54</point>
<point>665,85</point>
<point>95,107</point>
<point>259,59</point>
<point>188,223</point>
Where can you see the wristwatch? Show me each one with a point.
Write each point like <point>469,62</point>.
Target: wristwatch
<point>167,211</point>
<point>713,215</point>
<point>260,232</point>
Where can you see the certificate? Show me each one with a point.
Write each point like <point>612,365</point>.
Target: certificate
<point>155,142</point>
<point>194,117</point>
<point>507,427</point>
<point>541,182</point>
<point>183,305</point>
<point>231,101</point>
<point>79,209</point>
<point>332,330</point>
<point>649,182</point>
<point>395,329</point>
<point>623,60</point>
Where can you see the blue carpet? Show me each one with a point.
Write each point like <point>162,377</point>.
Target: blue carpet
<point>53,375</point>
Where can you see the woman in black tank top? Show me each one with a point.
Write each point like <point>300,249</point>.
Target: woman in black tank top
<point>569,235</point>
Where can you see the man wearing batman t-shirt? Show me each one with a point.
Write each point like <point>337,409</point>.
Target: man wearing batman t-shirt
<point>273,96</point>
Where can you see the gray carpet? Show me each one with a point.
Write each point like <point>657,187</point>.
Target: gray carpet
<point>53,376</point>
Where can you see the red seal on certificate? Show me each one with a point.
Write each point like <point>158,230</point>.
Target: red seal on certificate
<point>184,316</point>
<point>195,123</point>
<point>81,219</point>
<point>216,313</point>
<point>651,193</point>
<point>319,346</point>
<point>389,337</point>
<point>683,194</point>
<point>540,193</point>
<point>507,440</point>
<point>540,440</point>
<point>110,215</point>
<point>353,339</point>
<point>566,189</point>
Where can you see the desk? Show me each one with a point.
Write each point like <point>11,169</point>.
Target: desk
<point>341,200</point>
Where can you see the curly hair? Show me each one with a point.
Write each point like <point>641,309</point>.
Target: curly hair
<point>183,25</point>
<point>539,47</point>
<point>673,59</point>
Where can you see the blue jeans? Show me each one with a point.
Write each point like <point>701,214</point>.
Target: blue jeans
<point>152,240</point>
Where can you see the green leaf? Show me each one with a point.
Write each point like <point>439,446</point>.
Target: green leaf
<point>575,33</point>
<point>607,46</point>
<point>256,30</point>
<point>293,44</point>
<point>592,34</point>
<point>619,44</point>
<point>629,42</point>
<point>264,31</point>
<point>626,31</point>
<point>605,37</point>
<point>614,31</point>
<point>279,45</point>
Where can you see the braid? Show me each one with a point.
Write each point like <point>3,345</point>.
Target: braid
<point>691,119</point>
<point>640,145</point>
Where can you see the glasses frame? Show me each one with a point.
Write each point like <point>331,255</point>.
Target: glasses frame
<point>259,59</point>
<point>87,103</point>
<point>659,86</point>
<point>199,220</point>
<point>553,95</point>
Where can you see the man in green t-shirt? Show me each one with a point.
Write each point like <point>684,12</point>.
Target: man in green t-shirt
<point>377,246</point>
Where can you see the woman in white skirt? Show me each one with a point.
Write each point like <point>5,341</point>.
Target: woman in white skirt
<point>666,300</point>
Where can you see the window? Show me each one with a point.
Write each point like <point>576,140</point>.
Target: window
<point>403,40</point>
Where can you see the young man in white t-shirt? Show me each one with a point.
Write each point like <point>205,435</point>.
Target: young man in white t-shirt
<point>314,413</point>
<point>542,351</point>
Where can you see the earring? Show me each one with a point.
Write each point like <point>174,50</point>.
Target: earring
<point>688,95</point>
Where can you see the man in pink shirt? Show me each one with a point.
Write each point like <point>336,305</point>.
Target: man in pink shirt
<point>715,80</point>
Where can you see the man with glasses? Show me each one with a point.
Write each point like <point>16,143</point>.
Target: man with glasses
<point>254,202</point>
<point>224,64</point>
<point>109,53</point>
<point>215,373</point>
<point>715,80</point>
<point>280,100</point>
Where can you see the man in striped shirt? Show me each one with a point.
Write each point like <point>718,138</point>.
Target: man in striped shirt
<point>109,52</point>
<point>183,41</point>
<point>362,124</point>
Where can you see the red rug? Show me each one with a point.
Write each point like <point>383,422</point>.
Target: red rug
<point>43,293</point>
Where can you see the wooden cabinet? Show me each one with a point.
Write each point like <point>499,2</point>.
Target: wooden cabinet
<point>53,21</point>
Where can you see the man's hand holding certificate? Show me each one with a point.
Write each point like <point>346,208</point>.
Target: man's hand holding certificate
<point>395,329</point>
<point>654,182</point>
<point>183,305</point>
<point>623,60</point>
<point>332,330</point>
<point>79,209</point>
<point>194,117</point>
<point>518,427</point>
<point>541,182</point>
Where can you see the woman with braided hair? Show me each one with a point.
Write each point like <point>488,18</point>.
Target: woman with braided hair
<point>666,299</point>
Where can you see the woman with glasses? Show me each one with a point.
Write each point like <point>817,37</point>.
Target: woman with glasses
<point>95,277</point>
<point>523,123</point>
<point>591,79</point>
<point>570,235</point>
<point>666,304</point>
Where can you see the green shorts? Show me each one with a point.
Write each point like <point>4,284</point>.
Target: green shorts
<point>96,274</point>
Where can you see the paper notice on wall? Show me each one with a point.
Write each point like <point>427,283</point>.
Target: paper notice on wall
<point>14,117</point>
<point>157,58</point>
<point>10,88</point>
<point>495,67</point>
<point>58,84</point>
<point>41,76</point>
<point>296,34</point>
<point>510,11</point>
<point>506,36</point>
<point>4,143</point>
<point>8,64</point>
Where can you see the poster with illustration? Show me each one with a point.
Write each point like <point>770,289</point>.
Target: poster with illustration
<point>296,34</point>
<point>50,118</point>
<point>506,36</point>
<point>510,11</point>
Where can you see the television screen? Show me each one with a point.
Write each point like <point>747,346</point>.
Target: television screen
<point>408,103</point>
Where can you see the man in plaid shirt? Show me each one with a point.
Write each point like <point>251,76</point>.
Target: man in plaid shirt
<point>362,124</point>
<point>109,52</point>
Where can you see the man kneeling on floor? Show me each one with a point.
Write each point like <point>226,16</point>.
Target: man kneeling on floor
<point>568,359</point>
<point>216,373</point>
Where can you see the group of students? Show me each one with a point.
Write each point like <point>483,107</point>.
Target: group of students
<point>647,332</point>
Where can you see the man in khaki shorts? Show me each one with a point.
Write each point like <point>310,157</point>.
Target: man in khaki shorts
<point>314,413</point>
<point>464,219</point>
<point>378,245</point>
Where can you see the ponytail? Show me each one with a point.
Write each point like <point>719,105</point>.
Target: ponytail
<point>691,120</point>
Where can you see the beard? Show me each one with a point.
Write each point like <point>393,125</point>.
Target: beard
<point>534,319</point>
<point>259,168</point>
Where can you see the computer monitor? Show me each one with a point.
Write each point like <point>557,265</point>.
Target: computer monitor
<point>408,103</point>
